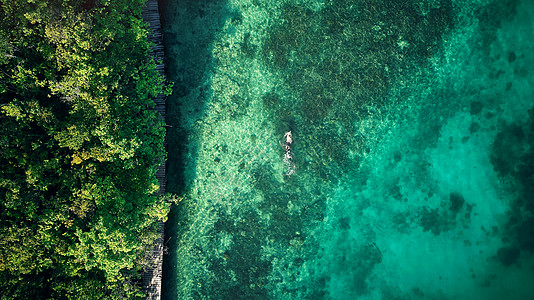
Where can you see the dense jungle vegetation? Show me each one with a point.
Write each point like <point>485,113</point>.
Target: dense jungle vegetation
<point>79,149</point>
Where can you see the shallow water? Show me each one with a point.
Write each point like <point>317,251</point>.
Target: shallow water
<point>413,149</point>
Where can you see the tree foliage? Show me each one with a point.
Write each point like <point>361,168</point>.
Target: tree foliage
<point>79,150</point>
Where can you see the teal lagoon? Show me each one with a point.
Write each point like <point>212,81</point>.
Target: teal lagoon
<point>410,172</point>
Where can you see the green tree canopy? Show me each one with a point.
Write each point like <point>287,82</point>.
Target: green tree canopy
<point>79,150</point>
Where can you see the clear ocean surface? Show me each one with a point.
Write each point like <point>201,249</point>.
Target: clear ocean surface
<point>350,149</point>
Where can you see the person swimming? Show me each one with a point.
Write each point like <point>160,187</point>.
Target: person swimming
<point>288,157</point>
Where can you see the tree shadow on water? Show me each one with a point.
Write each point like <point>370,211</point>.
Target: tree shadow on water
<point>189,28</point>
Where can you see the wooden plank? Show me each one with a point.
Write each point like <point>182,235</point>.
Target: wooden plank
<point>153,271</point>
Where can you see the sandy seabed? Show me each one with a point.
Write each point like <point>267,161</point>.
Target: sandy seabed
<point>413,146</point>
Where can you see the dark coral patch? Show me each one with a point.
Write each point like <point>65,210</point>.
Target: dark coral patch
<point>457,201</point>
<point>508,255</point>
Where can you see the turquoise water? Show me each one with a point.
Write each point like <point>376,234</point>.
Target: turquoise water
<point>411,165</point>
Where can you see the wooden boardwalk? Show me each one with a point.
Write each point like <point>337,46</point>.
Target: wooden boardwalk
<point>153,272</point>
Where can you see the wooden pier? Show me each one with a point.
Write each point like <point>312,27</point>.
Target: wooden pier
<point>153,272</point>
